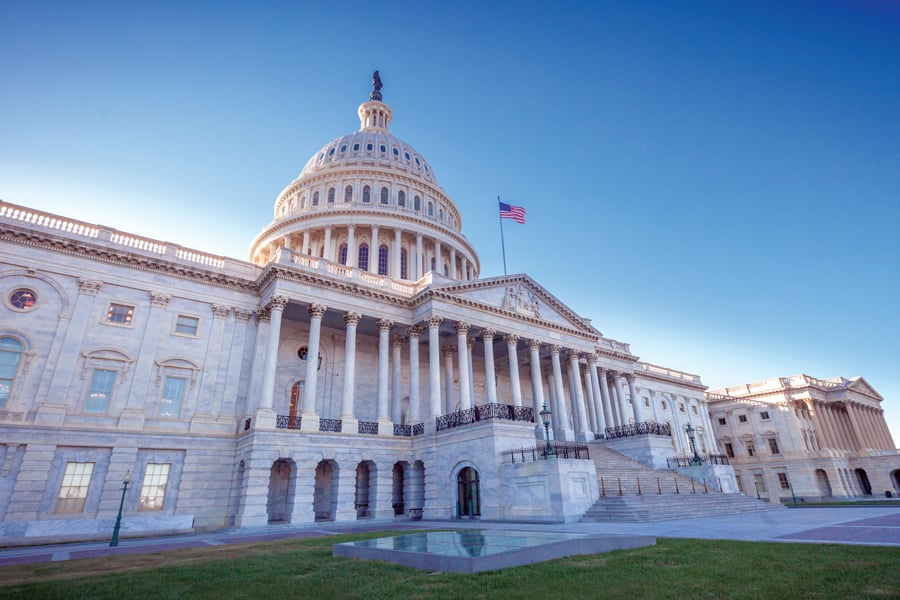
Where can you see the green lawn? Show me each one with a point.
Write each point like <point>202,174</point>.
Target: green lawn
<point>674,568</point>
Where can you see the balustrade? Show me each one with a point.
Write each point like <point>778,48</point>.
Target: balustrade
<point>644,428</point>
<point>485,412</point>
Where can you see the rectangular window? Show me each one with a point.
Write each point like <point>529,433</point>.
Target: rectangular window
<point>185,325</point>
<point>773,446</point>
<point>751,449</point>
<point>694,410</point>
<point>764,415</point>
<point>742,418</point>
<point>120,313</point>
<point>760,483</point>
<point>783,481</point>
<point>100,391</point>
<point>721,420</point>
<point>74,489</point>
<point>173,394</point>
<point>729,449</point>
<point>153,490</point>
<point>740,483</point>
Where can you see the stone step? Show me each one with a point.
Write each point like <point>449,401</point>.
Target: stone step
<point>659,508</point>
<point>615,469</point>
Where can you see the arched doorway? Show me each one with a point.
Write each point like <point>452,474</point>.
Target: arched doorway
<point>397,484</point>
<point>863,480</point>
<point>279,506</point>
<point>895,479</point>
<point>325,496</point>
<point>823,483</point>
<point>363,483</point>
<point>468,493</point>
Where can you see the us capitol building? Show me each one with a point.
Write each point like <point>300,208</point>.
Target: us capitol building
<point>356,366</point>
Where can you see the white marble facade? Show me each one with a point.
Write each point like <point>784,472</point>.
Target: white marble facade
<point>807,438</point>
<point>306,383</point>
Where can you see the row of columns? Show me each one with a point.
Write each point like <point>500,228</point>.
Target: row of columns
<point>598,402</point>
<point>854,428</point>
<point>418,256</point>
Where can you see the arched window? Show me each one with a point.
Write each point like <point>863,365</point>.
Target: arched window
<point>417,203</point>
<point>342,254</point>
<point>401,198</point>
<point>363,261</point>
<point>441,214</point>
<point>433,263</point>
<point>430,209</point>
<point>348,193</point>
<point>367,194</point>
<point>303,202</point>
<point>10,354</point>
<point>383,260</point>
<point>331,196</point>
<point>315,198</point>
<point>403,263</point>
<point>296,399</point>
<point>384,195</point>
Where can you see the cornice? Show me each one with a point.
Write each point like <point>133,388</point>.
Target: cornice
<point>671,380</point>
<point>276,272</point>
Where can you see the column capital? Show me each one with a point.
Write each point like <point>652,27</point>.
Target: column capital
<point>277,303</point>
<point>87,286</point>
<point>555,349</point>
<point>397,339</point>
<point>414,331</point>
<point>470,343</point>
<point>488,334</point>
<point>534,344</point>
<point>263,315</point>
<point>573,355</point>
<point>447,349</point>
<point>220,311</point>
<point>384,324</point>
<point>461,327</point>
<point>161,300</point>
<point>591,358</point>
<point>434,321</point>
<point>351,319</point>
<point>316,311</point>
<point>511,339</point>
<point>241,314</point>
<point>629,377</point>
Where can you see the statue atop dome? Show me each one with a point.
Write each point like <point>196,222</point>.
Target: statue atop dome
<point>376,87</point>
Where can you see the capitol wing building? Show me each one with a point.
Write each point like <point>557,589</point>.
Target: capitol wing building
<point>357,366</point>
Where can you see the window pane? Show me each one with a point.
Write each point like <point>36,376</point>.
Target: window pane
<point>153,490</point>
<point>74,489</point>
<point>119,313</point>
<point>383,260</point>
<point>100,391</point>
<point>10,351</point>
<point>186,325</point>
<point>173,393</point>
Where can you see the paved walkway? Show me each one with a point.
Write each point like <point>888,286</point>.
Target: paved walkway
<point>844,525</point>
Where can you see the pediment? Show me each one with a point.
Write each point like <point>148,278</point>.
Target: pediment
<point>517,296</point>
<point>862,386</point>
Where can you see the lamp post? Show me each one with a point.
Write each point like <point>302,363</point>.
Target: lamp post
<point>689,429</point>
<point>125,481</point>
<point>545,417</point>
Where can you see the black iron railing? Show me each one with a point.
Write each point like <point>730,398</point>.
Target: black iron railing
<point>404,430</point>
<point>540,452</point>
<point>287,422</point>
<point>687,461</point>
<point>485,412</point>
<point>645,428</point>
<point>330,425</point>
<point>418,429</point>
<point>367,427</point>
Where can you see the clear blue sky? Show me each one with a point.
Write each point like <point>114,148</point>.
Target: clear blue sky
<point>716,183</point>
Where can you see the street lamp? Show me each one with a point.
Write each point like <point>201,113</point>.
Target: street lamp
<point>545,417</point>
<point>689,429</point>
<point>125,481</point>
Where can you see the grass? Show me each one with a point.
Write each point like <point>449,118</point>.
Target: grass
<point>843,503</point>
<point>304,568</point>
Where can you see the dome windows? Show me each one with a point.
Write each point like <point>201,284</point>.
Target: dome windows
<point>367,194</point>
<point>342,254</point>
<point>383,260</point>
<point>356,147</point>
<point>406,154</point>
<point>383,148</point>
<point>401,198</point>
<point>417,203</point>
<point>369,147</point>
<point>430,209</point>
<point>331,196</point>
<point>384,195</point>
<point>348,193</point>
<point>403,273</point>
<point>343,148</point>
<point>363,261</point>
<point>315,201</point>
<point>331,152</point>
<point>396,152</point>
<point>418,164</point>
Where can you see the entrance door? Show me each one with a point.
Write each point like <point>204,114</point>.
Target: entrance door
<point>468,493</point>
<point>279,488</point>
<point>864,482</point>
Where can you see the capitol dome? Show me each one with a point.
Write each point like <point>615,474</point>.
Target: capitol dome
<point>370,201</point>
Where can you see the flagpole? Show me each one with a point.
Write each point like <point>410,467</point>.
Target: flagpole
<point>502,243</point>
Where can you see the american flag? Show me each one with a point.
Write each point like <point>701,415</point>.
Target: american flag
<point>516,213</point>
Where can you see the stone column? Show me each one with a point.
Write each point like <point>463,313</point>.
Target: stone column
<point>470,344</point>
<point>309,420</point>
<point>464,268</point>
<point>462,330</point>
<point>604,397</point>
<point>434,369</point>
<point>327,254</point>
<point>348,420</point>
<point>583,434</point>
<point>276,308</point>
<point>395,258</point>
<point>452,272</point>
<point>637,404</point>
<point>373,251</point>
<point>237,347</point>
<point>589,399</point>
<point>305,249</point>
<point>854,426</point>
<point>821,439</point>
<point>512,341</point>
<point>417,272</point>
<point>565,434</point>
<point>451,403</point>
<point>415,409</point>
<point>396,408</point>
<point>537,385</point>
<point>490,374</point>
<point>437,257</point>
<point>209,399</point>
<point>382,408</point>
<point>613,400</point>
<point>599,401</point>
<point>352,253</point>
<point>620,397</point>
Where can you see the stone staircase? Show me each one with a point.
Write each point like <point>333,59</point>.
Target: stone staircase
<point>633,492</point>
